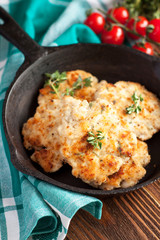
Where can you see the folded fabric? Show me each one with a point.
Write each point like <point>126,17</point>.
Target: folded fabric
<point>29,206</point>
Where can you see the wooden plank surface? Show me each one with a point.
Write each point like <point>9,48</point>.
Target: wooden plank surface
<point>134,216</point>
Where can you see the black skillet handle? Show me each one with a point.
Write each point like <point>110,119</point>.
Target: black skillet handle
<point>15,34</point>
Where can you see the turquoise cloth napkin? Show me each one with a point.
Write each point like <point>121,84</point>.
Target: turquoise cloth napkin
<point>28,206</point>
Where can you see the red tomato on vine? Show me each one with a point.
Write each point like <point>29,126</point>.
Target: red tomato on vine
<point>138,25</point>
<point>121,14</point>
<point>96,22</point>
<point>154,33</point>
<point>146,48</point>
<point>115,35</point>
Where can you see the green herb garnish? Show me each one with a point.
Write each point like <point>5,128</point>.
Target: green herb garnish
<point>79,84</point>
<point>90,104</point>
<point>135,107</point>
<point>147,8</point>
<point>94,140</point>
<point>54,80</point>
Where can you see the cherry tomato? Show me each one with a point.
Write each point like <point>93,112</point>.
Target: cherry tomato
<point>155,33</point>
<point>121,14</point>
<point>115,35</point>
<point>96,22</point>
<point>146,48</point>
<point>138,26</point>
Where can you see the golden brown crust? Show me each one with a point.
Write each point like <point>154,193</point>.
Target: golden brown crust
<point>58,131</point>
<point>144,124</point>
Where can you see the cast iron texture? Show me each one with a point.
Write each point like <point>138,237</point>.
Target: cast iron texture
<point>109,62</point>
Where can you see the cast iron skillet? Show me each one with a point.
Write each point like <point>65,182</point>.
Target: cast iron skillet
<point>108,62</point>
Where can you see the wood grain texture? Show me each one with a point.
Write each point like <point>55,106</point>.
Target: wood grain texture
<point>134,216</point>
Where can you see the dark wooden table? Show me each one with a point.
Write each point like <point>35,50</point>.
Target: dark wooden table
<point>134,216</point>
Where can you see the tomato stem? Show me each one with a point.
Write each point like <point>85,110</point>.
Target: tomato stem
<point>127,29</point>
<point>133,32</point>
<point>102,11</point>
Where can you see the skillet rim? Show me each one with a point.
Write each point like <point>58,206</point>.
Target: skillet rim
<point>25,66</point>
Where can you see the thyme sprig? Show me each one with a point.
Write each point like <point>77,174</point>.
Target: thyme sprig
<point>79,84</point>
<point>54,80</point>
<point>135,107</point>
<point>94,140</point>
